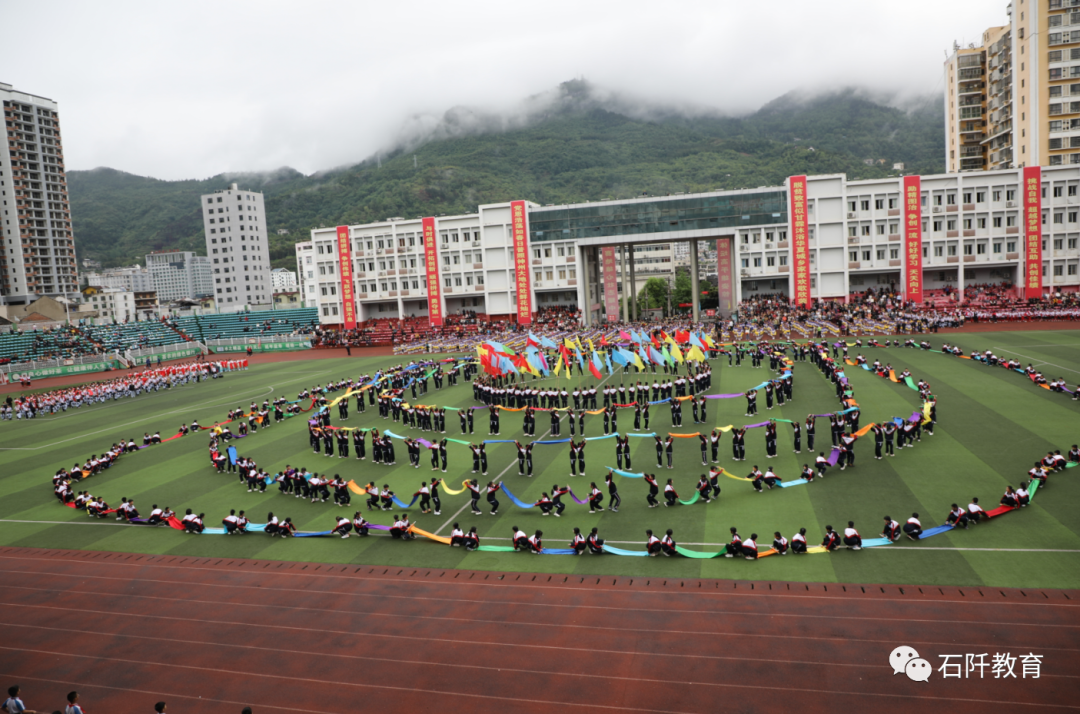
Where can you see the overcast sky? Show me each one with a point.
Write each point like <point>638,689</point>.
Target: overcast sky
<point>192,89</point>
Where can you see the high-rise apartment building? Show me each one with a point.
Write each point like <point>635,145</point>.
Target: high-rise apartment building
<point>179,274</point>
<point>234,222</point>
<point>1015,100</point>
<point>38,256</point>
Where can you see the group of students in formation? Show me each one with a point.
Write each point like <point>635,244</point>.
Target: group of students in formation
<point>495,392</point>
<point>988,358</point>
<point>130,385</point>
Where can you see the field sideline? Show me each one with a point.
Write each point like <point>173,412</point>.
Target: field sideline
<point>992,425</point>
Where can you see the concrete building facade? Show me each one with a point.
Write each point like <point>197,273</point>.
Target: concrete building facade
<point>179,274</point>
<point>964,228</point>
<point>234,222</point>
<point>38,256</point>
<point>1014,100</point>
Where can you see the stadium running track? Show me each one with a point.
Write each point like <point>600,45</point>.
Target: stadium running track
<point>214,635</point>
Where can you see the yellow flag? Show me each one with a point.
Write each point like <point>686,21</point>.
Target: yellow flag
<point>558,366</point>
<point>676,353</point>
<point>638,362</point>
<point>591,348</point>
<point>695,354</point>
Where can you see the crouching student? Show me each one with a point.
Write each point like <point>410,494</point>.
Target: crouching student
<point>286,528</point>
<point>831,540</point>
<point>749,547</point>
<point>975,511</point>
<point>472,539</point>
<point>852,539</point>
<point>360,524</point>
<point>343,527</point>
<point>1009,499</point>
<point>667,543</point>
<point>230,522</point>
<point>193,523</point>
<point>652,544</point>
<point>519,540</point>
<point>536,545</point>
<point>957,518</point>
<point>734,547</point>
<point>798,542</point>
<point>891,530</point>
<point>457,537</point>
<point>1023,496</point>
<point>780,543</point>
<point>595,542</point>
<point>913,527</point>
<point>272,527</point>
<point>578,542</point>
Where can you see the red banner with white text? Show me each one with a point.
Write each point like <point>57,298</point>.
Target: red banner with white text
<point>611,284</point>
<point>725,287</point>
<point>1033,270</point>
<point>348,300</point>
<point>519,231</point>
<point>913,277</point>
<point>431,266</point>
<point>800,242</point>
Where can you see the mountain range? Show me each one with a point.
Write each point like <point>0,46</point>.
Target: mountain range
<point>573,145</point>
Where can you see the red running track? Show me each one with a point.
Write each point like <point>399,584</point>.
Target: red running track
<point>213,635</point>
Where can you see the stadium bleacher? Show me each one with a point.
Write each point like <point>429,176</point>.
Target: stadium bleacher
<point>247,324</point>
<point>55,343</point>
<point>131,336</point>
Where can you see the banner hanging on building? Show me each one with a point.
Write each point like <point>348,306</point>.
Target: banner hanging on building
<point>611,284</point>
<point>800,242</point>
<point>431,266</point>
<point>519,231</point>
<point>1033,273</point>
<point>348,301</point>
<point>725,286</point>
<point>913,277</point>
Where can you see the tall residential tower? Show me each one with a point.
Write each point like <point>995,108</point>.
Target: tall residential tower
<point>1014,100</point>
<point>38,256</point>
<point>234,222</point>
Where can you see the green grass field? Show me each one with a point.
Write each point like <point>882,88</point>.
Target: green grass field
<point>991,425</point>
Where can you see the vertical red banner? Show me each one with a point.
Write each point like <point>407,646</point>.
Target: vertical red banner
<point>431,266</point>
<point>800,242</point>
<point>913,277</point>
<point>611,284</point>
<point>725,286</point>
<point>519,230</point>
<point>348,301</point>
<point>1032,232</point>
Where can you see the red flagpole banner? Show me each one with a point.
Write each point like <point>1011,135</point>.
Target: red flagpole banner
<point>519,228</point>
<point>431,265</point>
<point>800,241</point>
<point>1032,232</point>
<point>348,301</point>
<point>611,286</point>
<point>913,277</point>
<point>725,288</point>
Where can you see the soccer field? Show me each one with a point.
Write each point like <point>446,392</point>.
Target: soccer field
<point>992,424</point>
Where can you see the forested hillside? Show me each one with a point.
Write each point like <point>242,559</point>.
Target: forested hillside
<point>581,148</point>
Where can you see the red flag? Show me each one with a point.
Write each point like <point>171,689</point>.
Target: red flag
<point>593,369</point>
<point>603,341</point>
<point>656,342</point>
<point>682,336</point>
